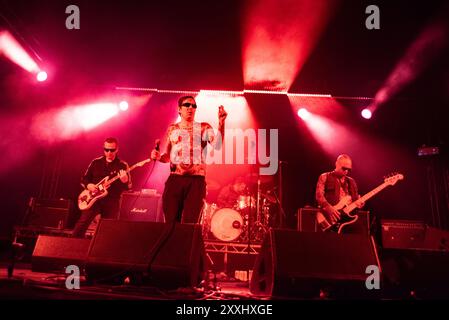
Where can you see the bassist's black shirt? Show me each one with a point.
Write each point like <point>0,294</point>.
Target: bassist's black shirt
<point>100,168</point>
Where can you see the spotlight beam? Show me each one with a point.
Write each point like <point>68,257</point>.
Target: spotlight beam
<point>14,51</point>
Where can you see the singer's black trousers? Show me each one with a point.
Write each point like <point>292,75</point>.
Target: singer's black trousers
<point>183,197</point>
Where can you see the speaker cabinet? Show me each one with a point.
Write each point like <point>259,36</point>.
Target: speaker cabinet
<point>123,249</point>
<point>409,234</point>
<point>54,254</point>
<point>136,206</point>
<point>402,234</point>
<point>295,263</point>
<point>51,213</point>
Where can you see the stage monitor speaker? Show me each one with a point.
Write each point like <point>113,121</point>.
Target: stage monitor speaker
<point>52,213</point>
<point>137,206</point>
<point>307,222</point>
<point>123,249</point>
<point>293,263</point>
<point>410,234</point>
<point>54,254</point>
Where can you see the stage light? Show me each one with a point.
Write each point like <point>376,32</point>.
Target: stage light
<point>14,51</point>
<point>123,105</point>
<point>41,76</point>
<point>68,122</point>
<point>304,114</point>
<point>90,116</point>
<point>367,114</point>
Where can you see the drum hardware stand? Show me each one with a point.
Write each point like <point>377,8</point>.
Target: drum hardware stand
<point>281,191</point>
<point>282,217</point>
<point>214,272</point>
<point>16,253</point>
<point>257,224</point>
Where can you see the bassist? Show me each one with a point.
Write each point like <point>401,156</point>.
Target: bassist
<point>334,186</point>
<point>107,165</point>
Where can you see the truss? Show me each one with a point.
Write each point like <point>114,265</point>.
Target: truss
<point>232,247</point>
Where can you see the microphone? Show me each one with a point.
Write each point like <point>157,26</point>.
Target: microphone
<point>156,147</point>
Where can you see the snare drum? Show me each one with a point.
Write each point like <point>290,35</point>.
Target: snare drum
<point>226,224</point>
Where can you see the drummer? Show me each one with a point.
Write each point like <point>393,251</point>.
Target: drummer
<point>229,195</point>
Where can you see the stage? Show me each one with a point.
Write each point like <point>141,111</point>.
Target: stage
<point>287,266</point>
<point>26,284</point>
<point>234,151</point>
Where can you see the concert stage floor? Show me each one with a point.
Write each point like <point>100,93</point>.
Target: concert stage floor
<point>26,284</point>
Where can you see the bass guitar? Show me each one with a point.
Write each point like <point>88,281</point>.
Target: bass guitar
<point>345,207</point>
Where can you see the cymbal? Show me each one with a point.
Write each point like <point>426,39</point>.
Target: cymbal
<point>253,177</point>
<point>269,197</point>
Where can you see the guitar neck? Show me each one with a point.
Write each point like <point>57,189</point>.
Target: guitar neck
<point>366,197</point>
<point>112,180</point>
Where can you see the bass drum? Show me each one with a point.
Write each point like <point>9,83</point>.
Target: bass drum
<point>226,224</point>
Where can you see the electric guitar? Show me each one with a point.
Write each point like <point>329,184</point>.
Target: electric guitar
<point>345,207</point>
<point>87,198</point>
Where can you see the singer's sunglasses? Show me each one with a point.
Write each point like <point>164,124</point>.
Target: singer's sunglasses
<point>109,150</point>
<point>188,105</point>
<point>346,169</point>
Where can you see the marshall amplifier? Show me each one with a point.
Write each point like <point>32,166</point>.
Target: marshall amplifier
<point>138,206</point>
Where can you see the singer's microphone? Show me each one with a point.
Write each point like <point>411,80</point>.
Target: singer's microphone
<point>156,147</point>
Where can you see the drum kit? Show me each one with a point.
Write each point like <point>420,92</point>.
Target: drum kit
<point>248,220</point>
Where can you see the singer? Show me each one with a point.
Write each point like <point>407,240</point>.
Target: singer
<point>186,142</point>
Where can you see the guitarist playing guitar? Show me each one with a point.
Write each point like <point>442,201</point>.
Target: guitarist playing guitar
<point>337,196</point>
<point>108,165</point>
<point>334,186</point>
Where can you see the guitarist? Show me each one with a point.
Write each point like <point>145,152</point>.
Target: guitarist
<point>333,186</point>
<point>107,165</point>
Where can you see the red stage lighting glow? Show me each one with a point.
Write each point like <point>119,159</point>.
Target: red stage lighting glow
<point>304,114</point>
<point>239,113</point>
<point>278,37</point>
<point>418,57</point>
<point>12,49</point>
<point>367,114</point>
<point>90,116</point>
<point>56,125</point>
<point>41,76</point>
<point>123,105</point>
<point>325,131</point>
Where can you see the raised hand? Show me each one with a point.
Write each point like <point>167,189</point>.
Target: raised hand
<point>222,114</point>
